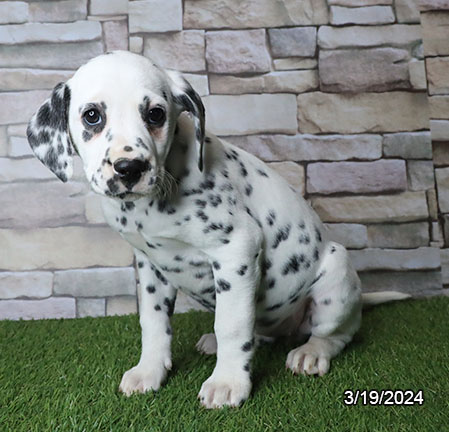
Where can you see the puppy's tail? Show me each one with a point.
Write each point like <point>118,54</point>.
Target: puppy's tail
<point>375,298</point>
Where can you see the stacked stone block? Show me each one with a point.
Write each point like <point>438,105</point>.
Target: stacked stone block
<point>332,94</point>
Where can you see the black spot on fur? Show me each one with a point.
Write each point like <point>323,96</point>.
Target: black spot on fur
<point>262,173</point>
<point>292,265</point>
<point>271,217</point>
<point>304,239</point>
<point>248,190</point>
<point>242,270</point>
<point>87,136</point>
<point>128,149</point>
<point>216,265</point>
<point>123,221</point>
<point>170,305</point>
<point>201,215</point>
<point>271,283</point>
<point>215,200</point>
<point>151,289</point>
<point>247,346</point>
<point>318,235</point>
<point>223,285</point>
<point>140,264</point>
<point>178,258</point>
<point>316,254</point>
<point>246,368</point>
<point>282,235</point>
<point>201,203</point>
<point>157,308</point>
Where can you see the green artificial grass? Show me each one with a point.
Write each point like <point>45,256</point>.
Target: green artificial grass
<point>63,375</point>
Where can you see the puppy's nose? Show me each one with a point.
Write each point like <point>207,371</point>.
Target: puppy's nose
<point>130,170</point>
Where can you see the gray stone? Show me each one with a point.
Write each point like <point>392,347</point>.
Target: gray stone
<point>441,153</point>
<point>58,11</point>
<point>446,229</point>
<point>294,63</point>
<point>445,265</point>
<point>363,15</point>
<point>116,35</point>
<point>38,32</point>
<point>377,69</point>
<point>438,75</point>
<point>439,130</point>
<point>97,282</point>
<point>90,307</point>
<point>404,207</point>
<point>412,282</point>
<point>237,51</point>
<point>292,173</point>
<point>3,142</point>
<point>359,3</point>
<point>274,82</point>
<point>418,51</point>
<point>18,107</point>
<point>155,16</point>
<point>437,237</point>
<point>38,309</point>
<point>200,83</point>
<point>435,32</point>
<point>264,113</point>
<point>356,177</point>
<point>49,204</point>
<point>94,211</point>
<point>13,12</point>
<point>439,107</point>
<point>311,147</point>
<point>409,145</point>
<point>417,72</point>
<point>23,169</point>
<point>52,56</point>
<point>25,284</point>
<point>352,236</point>
<point>360,113</point>
<point>63,248</point>
<point>368,36</point>
<point>424,258</point>
<point>109,7</point>
<point>295,41</point>
<point>183,51</point>
<point>433,5</point>
<point>31,79</point>
<point>403,236</point>
<point>19,130</point>
<point>18,147</point>
<point>124,305</point>
<point>431,196</point>
<point>442,178</point>
<point>219,14</point>
<point>420,175</point>
<point>136,44</point>
<point>407,11</point>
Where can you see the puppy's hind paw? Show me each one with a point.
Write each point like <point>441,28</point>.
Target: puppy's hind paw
<point>207,344</point>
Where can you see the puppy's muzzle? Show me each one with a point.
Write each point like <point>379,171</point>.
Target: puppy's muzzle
<point>130,170</point>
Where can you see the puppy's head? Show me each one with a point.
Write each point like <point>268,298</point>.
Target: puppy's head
<point>119,113</point>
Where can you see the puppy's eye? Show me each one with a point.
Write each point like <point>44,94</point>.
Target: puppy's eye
<point>92,117</point>
<point>156,116</point>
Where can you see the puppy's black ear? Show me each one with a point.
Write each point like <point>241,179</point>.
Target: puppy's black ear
<point>48,133</point>
<point>188,99</point>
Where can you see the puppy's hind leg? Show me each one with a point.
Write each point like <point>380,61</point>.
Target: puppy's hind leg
<point>334,314</point>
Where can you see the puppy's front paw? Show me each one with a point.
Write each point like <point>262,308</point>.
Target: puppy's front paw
<point>307,361</point>
<point>207,344</point>
<point>143,378</point>
<point>217,392</point>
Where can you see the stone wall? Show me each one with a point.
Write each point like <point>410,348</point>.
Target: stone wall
<point>333,95</point>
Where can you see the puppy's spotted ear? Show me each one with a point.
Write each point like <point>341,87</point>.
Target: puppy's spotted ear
<point>188,99</point>
<point>48,133</point>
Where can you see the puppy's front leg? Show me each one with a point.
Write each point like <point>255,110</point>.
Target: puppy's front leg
<point>236,279</point>
<point>157,300</point>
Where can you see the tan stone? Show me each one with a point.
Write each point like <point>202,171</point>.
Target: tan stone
<point>59,11</point>
<point>363,15</point>
<point>441,153</point>
<point>442,178</point>
<point>404,236</point>
<point>356,177</point>
<point>378,69</point>
<point>368,36</point>
<point>13,12</point>
<point>46,32</point>
<point>38,309</point>
<point>31,79</point>
<point>404,207</point>
<point>352,236</point>
<point>124,305</point>
<point>445,265</point>
<point>49,204</point>
<point>435,33</point>
<point>108,7</point>
<point>417,73</point>
<point>294,63</point>
<point>360,113</point>
<point>218,14</point>
<point>264,113</point>
<point>429,5</point>
<point>423,258</point>
<point>311,147</point>
<point>183,51</point>
<point>64,248</point>
<point>408,145</point>
<point>359,3</point>
<point>90,307</point>
<point>439,107</point>
<point>431,196</point>
<point>292,173</point>
<point>439,130</point>
<point>438,75</point>
<point>407,11</point>
<point>412,282</point>
<point>155,16</point>
<point>52,56</point>
<point>25,284</point>
<point>436,236</point>
<point>274,82</point>
<point>420,175</point>
<point>236,51</point>
<point>116,35</point>
<point>136,44</point>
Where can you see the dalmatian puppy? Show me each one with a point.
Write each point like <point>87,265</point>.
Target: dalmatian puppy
<point>203,217</point>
